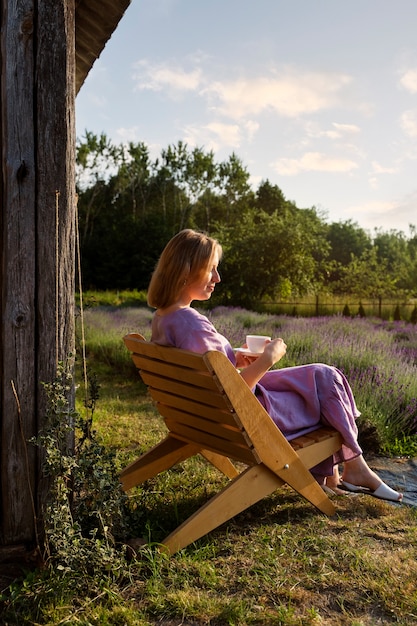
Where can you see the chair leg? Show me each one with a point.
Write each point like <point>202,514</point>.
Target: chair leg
<point>249,487</point>
<point>223,463</point>
<point>300,479</point>
<point>167,453</point>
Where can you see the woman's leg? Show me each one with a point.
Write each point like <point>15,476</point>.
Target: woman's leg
<point>333,482</point>
<point>358,477</point>
<point>357,472</point>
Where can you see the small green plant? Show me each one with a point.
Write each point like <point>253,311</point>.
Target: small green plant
<point>85,507</point>
<point>404,446</point>
<point>82,520</point>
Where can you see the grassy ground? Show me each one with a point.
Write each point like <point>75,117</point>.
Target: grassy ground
<point>278,563</point>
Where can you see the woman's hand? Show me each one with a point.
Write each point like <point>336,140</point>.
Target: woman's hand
<point>243,360</point>
<point>273,352</point>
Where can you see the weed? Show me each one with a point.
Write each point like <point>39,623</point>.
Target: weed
<point>84,512</point>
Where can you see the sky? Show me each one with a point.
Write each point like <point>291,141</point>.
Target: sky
<point>319,97</point>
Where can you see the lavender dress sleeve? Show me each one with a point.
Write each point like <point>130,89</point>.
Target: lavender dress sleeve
<point>190,330</point>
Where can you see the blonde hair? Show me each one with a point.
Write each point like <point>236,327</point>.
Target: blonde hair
<point>185,257</point>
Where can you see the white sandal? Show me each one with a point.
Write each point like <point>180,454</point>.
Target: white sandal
<point>383,492</point>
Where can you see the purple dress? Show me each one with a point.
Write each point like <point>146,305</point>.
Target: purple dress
<point>298,399</point>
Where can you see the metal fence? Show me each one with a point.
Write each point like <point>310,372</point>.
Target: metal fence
<point>387,310</point>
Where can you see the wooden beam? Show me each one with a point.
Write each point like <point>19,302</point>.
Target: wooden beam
<point>37,184</point>
<point>18,273</point>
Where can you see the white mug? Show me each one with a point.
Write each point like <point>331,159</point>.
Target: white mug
<point>256,343</point>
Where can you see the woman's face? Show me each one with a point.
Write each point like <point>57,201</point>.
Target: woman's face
<point>203,287</point>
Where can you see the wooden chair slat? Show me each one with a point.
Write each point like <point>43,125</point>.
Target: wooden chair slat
<point>210,442</point>
<point>182,390</point>
<point>213,413</point>
<point>162,353</point>
<point>311,438</point>
<point>175,372</point>
<point>223,431</point>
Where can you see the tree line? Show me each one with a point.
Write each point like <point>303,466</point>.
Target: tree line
<point>129,206</point>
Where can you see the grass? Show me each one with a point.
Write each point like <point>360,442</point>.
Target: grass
<point>279,562</point>
<point>379,358</point>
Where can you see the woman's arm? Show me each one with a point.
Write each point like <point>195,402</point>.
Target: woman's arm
<point>274,351</point>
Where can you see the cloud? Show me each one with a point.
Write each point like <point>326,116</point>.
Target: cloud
<point>391,215</point>
<point>409,80</point>
<point>213,136</point>
<point>346,129</point>
<point>292,94</point>
<point>377,168</point>
<point>381,212</point>
<point>408,122</point>
<point>251,128</point>
<point>124,135</point>
<point>336,131</point>
<point>313,162</point>
<point>289,93</point>
<point>160,76</point>
<point>217,135</point>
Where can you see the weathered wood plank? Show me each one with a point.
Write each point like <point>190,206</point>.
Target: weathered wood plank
<point>18,282</point>
<point>37,276</point>
<point>55,200</point>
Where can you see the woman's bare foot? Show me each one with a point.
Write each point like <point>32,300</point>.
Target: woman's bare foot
<point>333,482</point>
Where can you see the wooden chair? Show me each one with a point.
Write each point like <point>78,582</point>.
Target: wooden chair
<point>209,410</point>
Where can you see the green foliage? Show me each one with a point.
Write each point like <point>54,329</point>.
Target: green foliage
<point>130,206</point>
<point>269,257</point>
<point>84,508</point>
<point>125,298</point>
<point>347,239</point>
<point>85,511</point>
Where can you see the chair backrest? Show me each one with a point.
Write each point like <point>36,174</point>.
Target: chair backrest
<point>192,401</point>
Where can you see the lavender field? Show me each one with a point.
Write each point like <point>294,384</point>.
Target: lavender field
<point>378,357</point>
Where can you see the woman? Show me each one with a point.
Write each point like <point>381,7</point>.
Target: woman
<point>298,399</point>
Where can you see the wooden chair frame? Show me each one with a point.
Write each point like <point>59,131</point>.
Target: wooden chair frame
<point>209,410</point>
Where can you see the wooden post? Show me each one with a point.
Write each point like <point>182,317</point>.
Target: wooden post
<point>37,186</point>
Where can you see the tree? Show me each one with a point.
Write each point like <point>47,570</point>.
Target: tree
<point>267,256</point>
<point>369,277</point>
<point>132,184</point>
<point>345,239</point>
<point>269,198</point>
<point>193,173</point>
<point>393,250</point>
